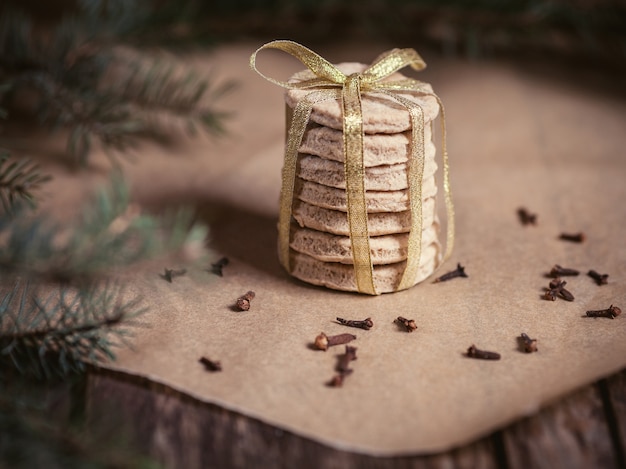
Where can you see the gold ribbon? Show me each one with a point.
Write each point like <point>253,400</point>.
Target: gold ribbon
<point>330,83</point>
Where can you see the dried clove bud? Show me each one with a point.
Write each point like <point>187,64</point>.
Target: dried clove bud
<point>558,271</point>
<point>611,312</point>
<point>409,324</point>
<point>343,366</point>
<point>322,341</point>
<point>557,288</point>
<point>216,268</point>
<point>169,274</point>
<point>243,302</point>
<point>573,237</point>
<point>473,352</point>
<point>211,365</point>
<point>530,345</point>
<point>366,324</point>
<point>458,272</point>
<point>337,380</point>
<point>601,279</point>
<point>526,217</point>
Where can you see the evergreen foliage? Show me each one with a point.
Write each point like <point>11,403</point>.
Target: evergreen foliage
<point>83,80</point>
<point>18,180</point>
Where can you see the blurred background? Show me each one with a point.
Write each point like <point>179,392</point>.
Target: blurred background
<point>589,30</point>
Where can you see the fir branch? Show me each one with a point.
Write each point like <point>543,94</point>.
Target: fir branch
<point>18,180</point>
<point>111,233</point>
<point>58,332</point>
<point>69,71</point>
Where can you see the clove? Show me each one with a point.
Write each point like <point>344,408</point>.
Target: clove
<point>601,279</point>
<point>216,268</point>
<point>343,367</point>
<point>366,324</point>
<point>557,288</point>
<point>243,302</point>
<point>169,274</point>
<point>473,352</point>
<point>458,272</point>
<point>409,324</point>
<point>322,341</point>
<point>526,217</point>
<point>343,364</point>
<point>611,312</point>
<point>558,271</point>
<point>530,345</point>
<point>211,365</point>
<point>573,237</point>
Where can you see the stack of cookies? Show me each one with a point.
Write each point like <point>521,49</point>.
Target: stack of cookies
<point>320,247</point>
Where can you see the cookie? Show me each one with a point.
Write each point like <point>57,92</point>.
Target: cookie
<point>378,149</point>
<point>376,201</point>
<point>336,222</point>
<point>381,113</point>
<point>377,178</point>
<point>341,276</point>
<point>326,247</point>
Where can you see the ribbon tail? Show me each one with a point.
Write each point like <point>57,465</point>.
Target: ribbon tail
<point>446,185</point>
<point>297,127</point>
<point>415,179</point>
<point>355,186</point>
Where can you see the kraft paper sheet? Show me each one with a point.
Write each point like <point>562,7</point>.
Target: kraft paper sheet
<point>553,143</point>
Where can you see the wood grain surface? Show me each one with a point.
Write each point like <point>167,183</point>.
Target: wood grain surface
<point>583,430</point>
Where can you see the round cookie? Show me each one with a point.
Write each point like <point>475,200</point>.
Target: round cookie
<point>377,178</point>
<point>376,201</point>
<point>336,222</point>
<point>381,113</point>
<point>341,276</point>
<point>378,149</point>
<point>327,247</point>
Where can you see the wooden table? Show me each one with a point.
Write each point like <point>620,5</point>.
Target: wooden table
<point>586,429</point>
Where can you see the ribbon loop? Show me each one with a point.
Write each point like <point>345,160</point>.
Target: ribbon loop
<point>330,83</point>
<point>321,68</point>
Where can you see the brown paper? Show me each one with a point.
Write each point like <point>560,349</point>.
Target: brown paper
<point>515,139</point>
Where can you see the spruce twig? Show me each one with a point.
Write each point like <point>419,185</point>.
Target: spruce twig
<point>111,233</point>
<point>58,332</point>
<point>18,180</point>
<point>68,73</point>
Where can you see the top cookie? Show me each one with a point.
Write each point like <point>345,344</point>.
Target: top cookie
<point>381,113</point>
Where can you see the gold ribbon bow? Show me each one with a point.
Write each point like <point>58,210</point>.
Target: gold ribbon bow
<point>330,83</point>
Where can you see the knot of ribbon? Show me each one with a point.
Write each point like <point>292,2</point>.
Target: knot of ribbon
<point>330,83</point>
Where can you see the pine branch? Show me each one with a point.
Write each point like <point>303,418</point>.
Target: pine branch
<point>55,333</point>
<point>18,180</point>
<point>111,233</point>
<point>69,73</point>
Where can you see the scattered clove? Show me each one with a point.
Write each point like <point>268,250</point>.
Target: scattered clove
<point>611,312</point>
<point>211,365</point>
<point>337,380</point>
<point>526,217</point>
<point>366,324</point>
<point>573,237</point>
<point>601,279</point>
<point>458,272</point>
<point>216,268</point>
<point>409,324</point>
<point>322,341</point>
<point>529,345</point>
<point>558,271</point>
<point>343,367</point>
<point>343,364</point>
<point>557,288</point>
<point>473,352</point>
<point>169,274</point>
<point>243,302</point>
